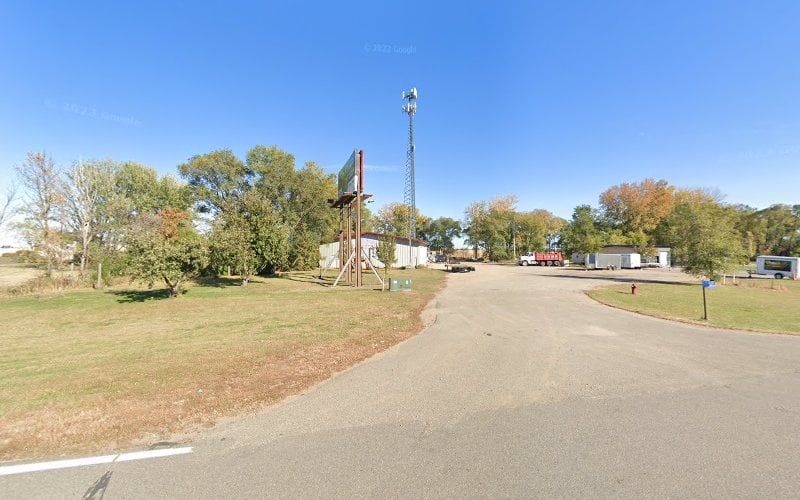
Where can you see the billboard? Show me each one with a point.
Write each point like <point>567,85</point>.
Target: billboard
<point>350,175</point>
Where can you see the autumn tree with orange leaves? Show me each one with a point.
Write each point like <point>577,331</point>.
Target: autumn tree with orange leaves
<point>637,209</point>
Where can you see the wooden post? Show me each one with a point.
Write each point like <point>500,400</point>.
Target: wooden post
<point>349,242</point>
<point>705,309</point>
<point>357,260</point>
<point>99,275</point>
<point>342,258</point>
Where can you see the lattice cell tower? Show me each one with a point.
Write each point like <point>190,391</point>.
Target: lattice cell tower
<point>409,196</point>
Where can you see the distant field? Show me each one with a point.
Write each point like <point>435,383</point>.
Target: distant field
<point>90,370</point>
<point>752,304</point>
<point>13,274</point>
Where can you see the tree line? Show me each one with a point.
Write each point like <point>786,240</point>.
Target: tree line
<point>707,235</point>
<point>252,215</point>
<point>262,214</point>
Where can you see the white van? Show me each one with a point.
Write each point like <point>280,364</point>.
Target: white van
<point>779,267</point>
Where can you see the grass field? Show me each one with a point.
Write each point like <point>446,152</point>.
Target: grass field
<point>13,274</point>
<point>753,304</point>
<point>92,370</point>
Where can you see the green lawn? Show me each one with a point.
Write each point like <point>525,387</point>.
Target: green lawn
<point>753,304</point>
<point>85,369</point>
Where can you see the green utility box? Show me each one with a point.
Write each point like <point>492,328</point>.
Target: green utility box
<point>400,285</point>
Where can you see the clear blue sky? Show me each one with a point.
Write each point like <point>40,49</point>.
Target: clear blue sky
<point>551,101</point>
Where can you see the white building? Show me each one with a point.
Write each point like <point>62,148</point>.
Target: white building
<point>406,255</point>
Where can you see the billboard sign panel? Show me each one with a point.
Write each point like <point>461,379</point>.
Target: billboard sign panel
<point>349,175</point>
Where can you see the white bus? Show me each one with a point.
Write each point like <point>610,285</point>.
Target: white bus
<point>779,267</point>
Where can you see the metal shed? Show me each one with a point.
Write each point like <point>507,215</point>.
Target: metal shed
<point>414,254</point>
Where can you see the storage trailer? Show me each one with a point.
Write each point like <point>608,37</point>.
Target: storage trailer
<point>613,261</point>
<point>778,266</point>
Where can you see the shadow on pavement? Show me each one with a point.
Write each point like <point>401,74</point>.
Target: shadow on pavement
<point>598,275</point>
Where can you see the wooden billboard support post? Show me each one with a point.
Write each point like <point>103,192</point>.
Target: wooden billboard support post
<point>351,196</point>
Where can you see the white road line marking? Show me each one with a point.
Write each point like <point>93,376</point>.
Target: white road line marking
<point>164,452</point>
<point>58,464</point>
<point>80,462</point>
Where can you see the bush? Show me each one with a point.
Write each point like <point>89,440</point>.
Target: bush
<point>114,267</point>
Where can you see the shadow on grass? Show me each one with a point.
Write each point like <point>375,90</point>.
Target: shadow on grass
<point>314,279</point>
<point>218,282</point>
<point>128,296</point>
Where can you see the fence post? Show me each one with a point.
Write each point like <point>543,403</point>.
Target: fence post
<point>99,275</point>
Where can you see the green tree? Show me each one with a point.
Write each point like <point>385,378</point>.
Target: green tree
<point>274,175</point>
<point>216,179</point>
<point>309,219</point>
<point>297,199</point>
<point>753,230</point>
<point>393,219</point>
<point>582,234</point>
<point>781,225</point>
<point>165,247</point>
<point>387,253</point>
<point>703,234</point>
<point>136,191</point>
<point>440,234</point>
<point>250,238</point>
<point>537,230</point>
<point>490,226</point>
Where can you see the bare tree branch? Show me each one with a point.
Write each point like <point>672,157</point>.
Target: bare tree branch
<point>8,208</point>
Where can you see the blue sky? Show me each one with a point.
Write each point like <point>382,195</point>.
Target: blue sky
<point>551,101</point>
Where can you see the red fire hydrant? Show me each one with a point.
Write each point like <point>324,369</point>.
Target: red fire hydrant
<point>633,288</point>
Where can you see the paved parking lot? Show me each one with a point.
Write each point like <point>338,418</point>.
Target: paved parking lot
<point>521,387</point>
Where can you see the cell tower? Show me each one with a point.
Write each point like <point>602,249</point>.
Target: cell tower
<point>409,196</point>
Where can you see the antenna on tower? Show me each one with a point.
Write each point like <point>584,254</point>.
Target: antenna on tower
<point>410,107</point>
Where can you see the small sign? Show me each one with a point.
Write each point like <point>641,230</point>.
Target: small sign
<point>709,284</point>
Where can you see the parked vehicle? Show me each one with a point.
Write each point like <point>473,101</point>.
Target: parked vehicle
<point>613,261</point>
<point>778,267</point>
<point>541,259</point>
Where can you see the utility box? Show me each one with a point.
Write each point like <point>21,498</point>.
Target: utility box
<point>400,285</point>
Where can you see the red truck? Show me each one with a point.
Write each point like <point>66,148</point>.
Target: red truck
<point>541,259</point>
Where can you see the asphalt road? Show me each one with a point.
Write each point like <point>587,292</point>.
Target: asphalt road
<point>521,387</point>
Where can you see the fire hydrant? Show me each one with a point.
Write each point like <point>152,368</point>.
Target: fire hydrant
<point>633,288</point>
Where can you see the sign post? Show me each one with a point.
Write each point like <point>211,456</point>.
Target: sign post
<point>707,284</point>
<point>350,183</point>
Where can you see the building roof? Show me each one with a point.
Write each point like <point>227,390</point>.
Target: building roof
<point>401,239</point>
<point>634,246</point>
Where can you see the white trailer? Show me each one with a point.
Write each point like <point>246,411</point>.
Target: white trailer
<point>613,261</point>
<point>778,267</point>
<point>631,261</point>
<point>603,261</point>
